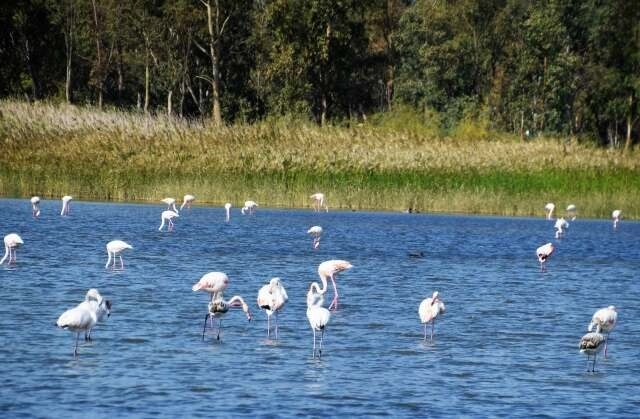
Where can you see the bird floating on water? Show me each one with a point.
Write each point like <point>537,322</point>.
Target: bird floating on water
<point>115,248</point>
<point>11,242</point>
<point>429,309</point>
<point>271,298</point>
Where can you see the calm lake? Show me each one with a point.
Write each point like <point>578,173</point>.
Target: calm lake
<point>507,345</point>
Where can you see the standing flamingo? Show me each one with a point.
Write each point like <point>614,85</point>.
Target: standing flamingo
<point>549,208</point>
<point>35,206</point>
<point>604,320</point>
<point>103,311</point>
<point>213,283</point>
<point>249,207</point>
<point>543,252</point>
<point>187,201</point>
<point>66,205</point>
<point>168,216</point>
<point>11,242</point>
<point>328,270</point>
<point>227,209</point>
<point>316,233</point>
<point>571,211</point>
<point>319,202</point>
<point>616,215</point>
<point>429,309</point>
<point>218,308</point>
<point>271,298</point>
<point>83,317</point>
<point>560,226</point>
<point>116,247</point>
<point>317,315</point>
<point>171,204</point>
<point>591,344</point>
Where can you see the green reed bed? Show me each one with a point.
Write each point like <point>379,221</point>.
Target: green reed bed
<point>52,150</point>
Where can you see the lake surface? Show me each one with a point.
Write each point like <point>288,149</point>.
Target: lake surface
<point>507,345</point>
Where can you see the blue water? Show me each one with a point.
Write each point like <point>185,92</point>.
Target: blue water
<point>507,345</point>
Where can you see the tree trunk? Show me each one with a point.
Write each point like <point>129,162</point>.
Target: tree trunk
<point>146,83</point>
<point>68,43</point>
<point>98,73</point>
<point>627,142</point>
<point>214,53</point>
<point>169,104</point>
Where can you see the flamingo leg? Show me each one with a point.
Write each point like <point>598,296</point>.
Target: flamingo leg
<point>268,326</point>
<point>219,329</point>
<point>321,338</point>
<point>334,302</point>
<point>314,343</point>
<point>606,341</point>
<point>205,325</point>
<point>425,332</point>
<point>433,326</point>
<point>121,262</point>
<point>276,325</point>
<point>75,349</point>
<point>593,369</point>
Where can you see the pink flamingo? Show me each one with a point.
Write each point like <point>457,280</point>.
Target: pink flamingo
<point>212,282</point>
<point>616,215</point>
<point>550,207</point>
<point>544,252</point>
<point>318,202</point>
<point>271,298</point>
<point>429,309</point>
<point>168,216</point>
<point>317,315</point>
<point>187,201</point>
<point>35,206</point>
<point>328,270</point>
<point>11,242</point>
<point>66,205</point>
<point>249,207</point>
<point>604,320</point>
<point>115,248</point>
<point>316,233</point>
<point>171,204</point>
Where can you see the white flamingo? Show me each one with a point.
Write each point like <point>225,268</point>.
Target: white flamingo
<point>560,226</point>
<point>249,207</point>
<point>591,344</point>
<point>604,321</point>
<point>66,205</point>
<point>317,315</point>
<point>550,207</point>
<point>213,283</point>
<point>171,204</point>
<point>84,316</point>
<point>616,215</point>
<point>187,201</point>
<point>168,216</point>
<point>218,308</point>
<point>544,252</point>
<point>102,312</point>
<point>115,248</point>
<point>571,212</point>
<point>227,209</point>
<point>328,270</point>
<point>11,242</point>
<point>271,298</point>
<point>35,206</point>
<point>319,202</point>
<point>316,233</point>
<point>429,309</point>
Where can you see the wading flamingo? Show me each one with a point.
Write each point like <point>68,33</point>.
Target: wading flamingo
<point>115,248</point>
<point>187,201</point>
<point>429,309</point>
<point>218,308</point>
<point>271,298</point>
<point>317,315</point>
<point>316,233</point>
<point>543,252</point>
<point>171,204</point>
<point>227,209</point>
<point>560,226</point>
<point>329,270</point>
<point>35,206</point>
<point>11,242</point>
<point>616,215</point>
<point>66,205</point>
<point>213,283</point>
<point>604,321</point>
<point>249,207</point>
<point>319,202</point>
<point>84,316</point>
<point>591,344</point>
<point>571,212</point>
<point>168,216</point>
<point>102,312</point>
<point>549,208</point>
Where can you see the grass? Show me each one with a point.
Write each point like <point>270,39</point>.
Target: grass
<point>53,150</point>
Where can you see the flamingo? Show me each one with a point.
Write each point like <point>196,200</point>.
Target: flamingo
<point>560,226</point>
<point>250,207</point>
<point>429,309</point>
<point>35,206</point>
<point>218,308</point>
<point>116,247</point>
<point>318,202</point>
<point>168,216</point>
<point>213,283</point>
<point>66,205</point>
<point>328,270</point>
<point>187,201</point>
<point>271,298</point>
<point>591,344</point>
<point>227,208</point>
<point>543,253</point>
<point>11,242</point>
<point>316,232</point>
<point>604,321</point>
<point>549,208</point>
<point>616,215</point>
<point>84,316</point>
<point>571,211</point>
<point>171,204</point>
<point>317,315</point>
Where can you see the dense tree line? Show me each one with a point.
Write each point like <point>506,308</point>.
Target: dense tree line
<point>569,67</point>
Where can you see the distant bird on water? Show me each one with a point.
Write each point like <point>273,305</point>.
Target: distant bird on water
<point>571,212</point>
<point>550,207</point>
<point>328,270</point>
<point>316,233</point>
<point>11,242</point>
<point>171,204</point>
<point>66,205</point>
<point>271,298</point>
<point>115,248</point>
<point>616,215</point>
<point>218,308</point>
<point>35,206</point>
<point>227,209</point>
<point>591,344</point>
<point>429,309</point>
<point>213,283</point>
<point>319,202</point>
<point>249,207</point>
<point>560,226</point>
<point>544,252</point>
<point>167,216</point>
<point>187,201</point>
<point>317,315</point>
<point>604,321</point>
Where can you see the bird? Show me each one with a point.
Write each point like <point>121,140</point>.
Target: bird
<point>549,208</point>
<point>591,344</point>
<point>11,242</point>
<point>328,270</point>
<point>66,205</point>
<point>84,316</point>
<point>168,216</point>
<point>571,211</point>
<point>317,315</point>
<point>249,207</point>
<point>604,321</point>
<point>35,206</point>
<point>271,298</point>
<point>171,204</point>
<point>218,308</point>
<point>319,202</point>
<point>560,226</point>
<point>187,201</point>
<point>543,252</point>
<point>429,309</point>
<point>316,232</point>
<point>227,208</point>
<point>116,247</point>
<point>212,282</point>
<point>616,215</point>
